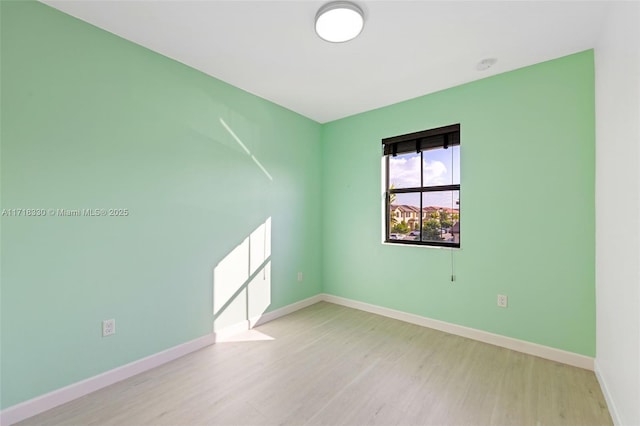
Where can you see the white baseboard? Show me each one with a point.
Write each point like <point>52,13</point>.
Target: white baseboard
<point>76,390</point>
<point>607,395</point>
<point>245,325</point>
<point>60,396</point>
<point>535,349</point>
<point>231,330</point>
<point>286,310</point>
<point>63,395</point>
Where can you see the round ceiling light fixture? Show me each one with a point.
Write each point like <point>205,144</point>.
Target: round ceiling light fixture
<point>339,21</point>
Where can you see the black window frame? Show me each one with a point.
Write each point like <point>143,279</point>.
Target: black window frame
<point>418,142</point>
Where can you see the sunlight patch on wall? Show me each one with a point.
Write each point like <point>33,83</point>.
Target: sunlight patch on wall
<point>244,147</point>
<point>242,281</point>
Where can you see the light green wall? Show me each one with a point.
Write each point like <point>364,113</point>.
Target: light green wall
<point>92,121</point>
<point>527,197</point>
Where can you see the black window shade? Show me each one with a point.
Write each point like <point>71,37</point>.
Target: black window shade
<point>442,137</point>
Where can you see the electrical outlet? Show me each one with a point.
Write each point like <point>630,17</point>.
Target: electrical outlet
<point>299,277</point>
<point>108,327</point>
<point>502,301</point>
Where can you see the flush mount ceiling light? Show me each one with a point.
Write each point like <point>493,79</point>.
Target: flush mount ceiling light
<point>339,21</point>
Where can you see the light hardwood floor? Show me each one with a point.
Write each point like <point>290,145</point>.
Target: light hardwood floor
<point>331,365</point>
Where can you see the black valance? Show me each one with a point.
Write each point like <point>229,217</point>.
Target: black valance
<point>442,137</point>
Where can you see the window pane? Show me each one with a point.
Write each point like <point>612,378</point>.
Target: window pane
<point>404,216</point>
<point>404,170</point>
<point>441,216</point>
<point>442,166</point>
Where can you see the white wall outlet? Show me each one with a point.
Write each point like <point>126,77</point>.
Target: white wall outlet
<point>502,301</point>
<point>108,327</point>
<point>300,277</point>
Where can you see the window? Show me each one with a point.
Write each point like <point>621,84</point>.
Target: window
<point>422,194</point>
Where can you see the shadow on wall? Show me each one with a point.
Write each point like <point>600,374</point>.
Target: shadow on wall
<point>242,282</point>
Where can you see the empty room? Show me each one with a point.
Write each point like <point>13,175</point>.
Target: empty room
<point>320,213</point>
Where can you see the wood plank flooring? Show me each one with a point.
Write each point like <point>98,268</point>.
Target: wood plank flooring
<point>331,365</point>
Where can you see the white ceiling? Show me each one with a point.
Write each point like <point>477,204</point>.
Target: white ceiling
<point>407,48</point>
